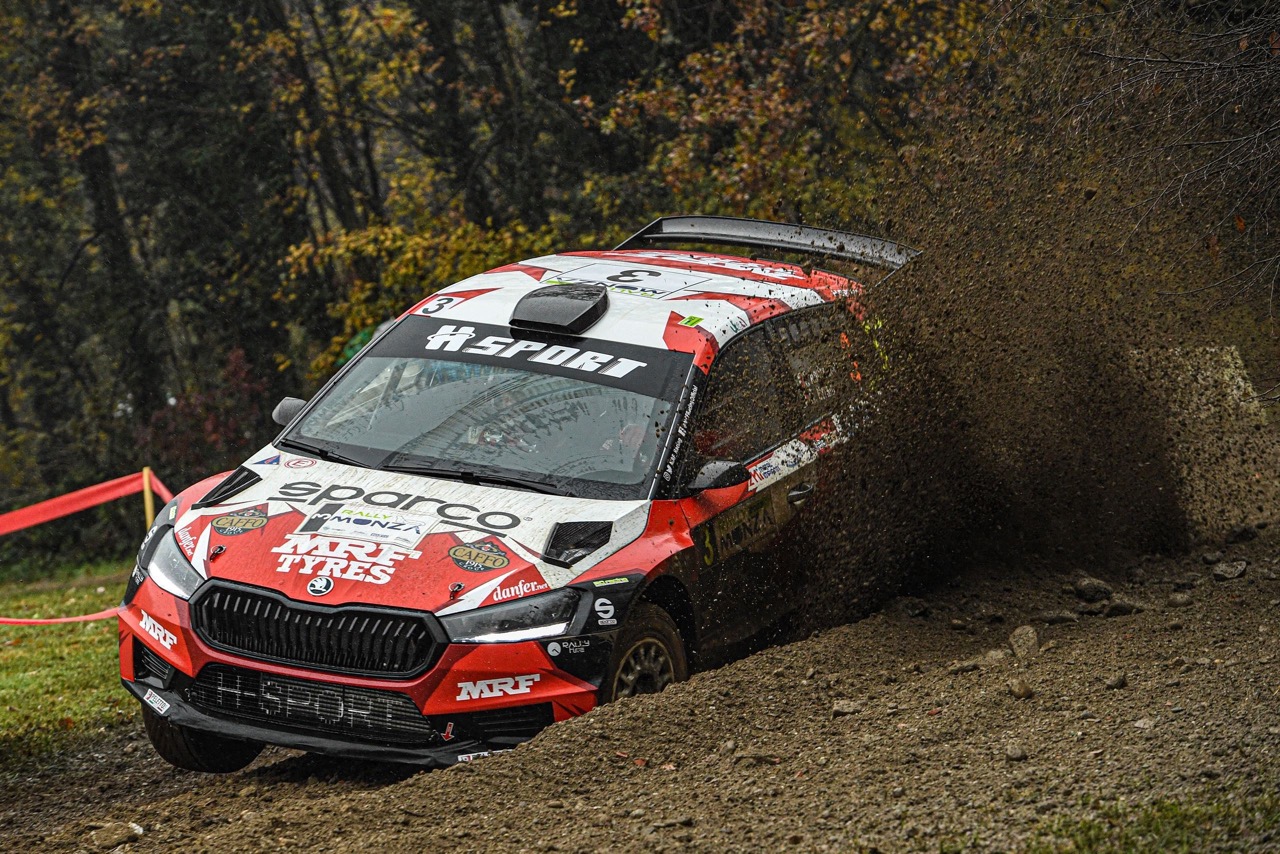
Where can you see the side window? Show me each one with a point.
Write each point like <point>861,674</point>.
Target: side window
<point>819,350</point>
<point>747,409</point>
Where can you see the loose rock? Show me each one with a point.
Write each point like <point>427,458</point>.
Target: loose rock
<point>839,709</point>
<point>1092,589</point>
<point>1230,571</point>
<point>1021,689</point>
<point>1179,600</point>
<point>1054,618</point>
<point>1210,558</point>
<point>1015,752</point>
<point>1121,608</point>
<point>1117,682</point>
<point>115,834</point>
<point>1024,642</point>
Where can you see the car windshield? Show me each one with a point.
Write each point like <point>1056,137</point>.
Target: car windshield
<point>451,401</point>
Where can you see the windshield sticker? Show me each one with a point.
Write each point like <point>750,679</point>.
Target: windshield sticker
<point>682,433</point>
<point>650,371</point>
<point>363,523</point>
<point>451,338</point>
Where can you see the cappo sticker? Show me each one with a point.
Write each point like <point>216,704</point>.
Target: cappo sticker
<point>479,557</point>
<point>233,524</point>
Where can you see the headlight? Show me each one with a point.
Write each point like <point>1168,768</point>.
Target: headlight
<point>170,570</point>
<point>162,527</point>
<point>162,560</point>
<point>542,616</point>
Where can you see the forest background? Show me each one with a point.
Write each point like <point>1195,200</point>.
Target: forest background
<point>207,207</point>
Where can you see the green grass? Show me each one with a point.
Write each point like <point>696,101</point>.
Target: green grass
<point>59,684</point>
<point>1238,822</point>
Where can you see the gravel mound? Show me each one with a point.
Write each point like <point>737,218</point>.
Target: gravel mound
<point>957,716</point>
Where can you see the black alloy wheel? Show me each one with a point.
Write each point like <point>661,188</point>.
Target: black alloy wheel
<point>648,656</point>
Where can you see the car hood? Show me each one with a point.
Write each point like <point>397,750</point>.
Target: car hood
<point>332,534</point>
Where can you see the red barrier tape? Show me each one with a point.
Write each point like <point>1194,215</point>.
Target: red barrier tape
<point>81,499</point>
<point>74,502</point>
<point>86,618</point>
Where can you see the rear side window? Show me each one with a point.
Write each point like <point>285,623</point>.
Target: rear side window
<point>821,360</point>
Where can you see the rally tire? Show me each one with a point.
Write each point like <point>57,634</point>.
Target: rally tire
<point>193,750</point>
<point>648,655</point>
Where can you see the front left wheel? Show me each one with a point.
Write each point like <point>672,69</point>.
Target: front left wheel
<point>648,656</point>
<point>194,750</point>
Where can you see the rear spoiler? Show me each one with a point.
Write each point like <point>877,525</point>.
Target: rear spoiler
<point>733,231</point>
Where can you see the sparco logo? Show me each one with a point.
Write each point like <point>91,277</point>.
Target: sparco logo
<point>497,687</point>
<point>451,338</point>
<point>459,515</point>
<point>163,636</point>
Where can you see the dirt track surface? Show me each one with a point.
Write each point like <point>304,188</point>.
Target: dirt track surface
<point>897,732</point>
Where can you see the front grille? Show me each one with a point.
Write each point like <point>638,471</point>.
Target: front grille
<point>280,702</point>
<point>344,639</point>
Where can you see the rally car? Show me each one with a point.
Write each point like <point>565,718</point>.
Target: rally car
<point>552,485</point>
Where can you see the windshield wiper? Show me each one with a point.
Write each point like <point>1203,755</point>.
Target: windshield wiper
<point>475,477</point>
<point>327,454</point>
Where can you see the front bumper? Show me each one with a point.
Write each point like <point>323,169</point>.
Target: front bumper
<point>182,713</point>
<point>475,699</point>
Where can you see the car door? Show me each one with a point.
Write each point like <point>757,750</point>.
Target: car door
<point>749,415</point>
<point>831,358</point>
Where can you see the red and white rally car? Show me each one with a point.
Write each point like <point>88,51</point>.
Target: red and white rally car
<point>551,485</point>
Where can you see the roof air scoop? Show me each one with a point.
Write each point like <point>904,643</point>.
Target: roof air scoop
<point>569,309</point>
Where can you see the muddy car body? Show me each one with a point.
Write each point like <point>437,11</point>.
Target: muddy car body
<point>548,486</point>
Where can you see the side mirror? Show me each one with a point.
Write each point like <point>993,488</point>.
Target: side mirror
<point>718,474</point>
<point>287,410</point>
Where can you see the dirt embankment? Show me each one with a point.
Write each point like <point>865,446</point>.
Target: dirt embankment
<point>1144,704</point>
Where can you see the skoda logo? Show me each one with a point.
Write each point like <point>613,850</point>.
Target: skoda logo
<point>320,585</point>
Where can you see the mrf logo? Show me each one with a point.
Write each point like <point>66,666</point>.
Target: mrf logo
<point>163,636</point>
<point>486,688</point>
<point>374,563</point>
